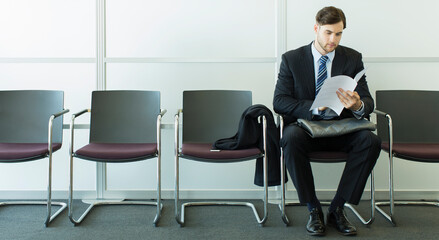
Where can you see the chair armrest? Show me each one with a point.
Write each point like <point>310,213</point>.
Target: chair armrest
<point>263,120</point>
<point>72,127</point>
<point>51,119</point>
<point>159,131</point>
<point>176,131</point>
<point>179,111</point>
<point>384,114</point>
<point>389,127</point>
<point>61,113</point>
<point>280,119</point>
<point>80,113</point>
<point>280,122</point>
<point>378,112</point>
<point>50,137</point>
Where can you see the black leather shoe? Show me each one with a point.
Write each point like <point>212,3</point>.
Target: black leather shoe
<point>338,220</point>
<point>316,224</point>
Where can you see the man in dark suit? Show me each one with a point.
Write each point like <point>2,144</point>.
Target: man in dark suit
<point>300,77</point>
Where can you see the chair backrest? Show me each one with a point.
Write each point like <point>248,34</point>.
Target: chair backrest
<point>24,116</point>
<point>414,113</point>
<point>209,115</point>
<point>124,116</point>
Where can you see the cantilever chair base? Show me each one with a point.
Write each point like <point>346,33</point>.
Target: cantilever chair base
<point>352,208</point>
<point>115,202</point>
<point>219,203</point>
<point>49,218</point>
<point>390,217</point>
<point>180,216</point>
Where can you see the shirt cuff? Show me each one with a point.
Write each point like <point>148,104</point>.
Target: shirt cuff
<point>360,112</point>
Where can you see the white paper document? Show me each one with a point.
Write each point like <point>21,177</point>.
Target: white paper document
<point>327,96</point>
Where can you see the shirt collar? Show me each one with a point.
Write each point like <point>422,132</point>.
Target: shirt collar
<point>316,55</point>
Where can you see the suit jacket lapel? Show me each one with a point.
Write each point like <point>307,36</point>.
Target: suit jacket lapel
<point>308,64</point>
<point>339,62</point>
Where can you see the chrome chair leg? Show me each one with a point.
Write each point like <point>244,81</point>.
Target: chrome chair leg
<point>391,203</point>
<point>158,203</point>
<point>372,204</point>
<point>389,217</point>
<point>48,202</point>
<point>179,216</point>
<point>283,203</point>
<point>159,169</point>
<point>49,218</point>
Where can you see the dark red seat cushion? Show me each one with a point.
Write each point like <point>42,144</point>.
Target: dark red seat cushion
<point>426,152</point>
<point>117,151</point>
<point>203,151</point>
<point>25,151</point>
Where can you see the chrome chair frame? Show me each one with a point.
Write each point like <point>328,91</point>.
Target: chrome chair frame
<point>391,203</point>
<point>283,202</point>
<point>49,203</point>
<point>179,216</point>
<point>100,202</point>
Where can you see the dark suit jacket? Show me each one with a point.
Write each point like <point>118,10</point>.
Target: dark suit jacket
<point>295,88</point>
<point>250,135</point>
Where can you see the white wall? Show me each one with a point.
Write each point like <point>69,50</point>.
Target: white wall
<point>48,44</point>
<point>174,45</point>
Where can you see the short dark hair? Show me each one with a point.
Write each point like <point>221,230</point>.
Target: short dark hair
<point>330,15</point>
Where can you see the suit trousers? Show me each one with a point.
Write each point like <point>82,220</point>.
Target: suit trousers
<point>363,148</point>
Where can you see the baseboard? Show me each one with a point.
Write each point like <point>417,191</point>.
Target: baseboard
<point>40,194</point>
<point>273,194</point>
<point>141,194</point>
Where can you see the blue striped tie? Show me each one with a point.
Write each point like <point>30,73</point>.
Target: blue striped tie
<point>323,74</point>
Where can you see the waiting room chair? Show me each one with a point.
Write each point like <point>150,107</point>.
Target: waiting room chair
<point>31,124</point>
<point>323,157</point>
<point>407,123</point>
<point>124,127</point>
<point>208,116</point>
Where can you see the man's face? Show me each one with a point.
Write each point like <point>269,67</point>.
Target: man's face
<point>328,37</point>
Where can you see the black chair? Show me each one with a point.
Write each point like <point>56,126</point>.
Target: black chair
<point>124,127</point>
<point>407,123</point>
<point>323,157</point>
<point>31,129</point>
<point>208,116</point>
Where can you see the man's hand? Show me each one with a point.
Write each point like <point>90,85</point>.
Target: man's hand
<point>350,100</point>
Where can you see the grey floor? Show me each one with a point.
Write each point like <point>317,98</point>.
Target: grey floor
<point>135,222</point>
